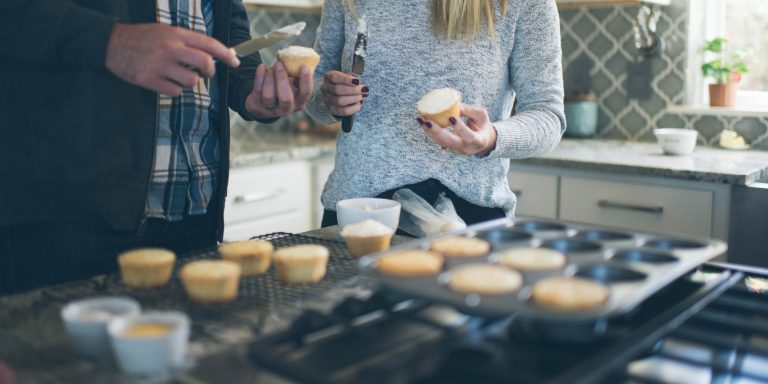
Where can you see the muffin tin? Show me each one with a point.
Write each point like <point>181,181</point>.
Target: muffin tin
<point>632,265</point>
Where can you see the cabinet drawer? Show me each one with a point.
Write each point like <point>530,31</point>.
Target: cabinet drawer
<point>536,193</point>
<point>636,206</point>
<point>262,192</point>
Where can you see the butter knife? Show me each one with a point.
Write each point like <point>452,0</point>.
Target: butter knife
<point>358,66</point>
<point>257,43</point>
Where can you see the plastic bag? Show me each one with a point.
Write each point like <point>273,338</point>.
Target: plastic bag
<point>421,219</point>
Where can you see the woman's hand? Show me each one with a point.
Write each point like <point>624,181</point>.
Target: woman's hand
<point>476,137</point>
<point>275,94</point>
<point>343,93</point>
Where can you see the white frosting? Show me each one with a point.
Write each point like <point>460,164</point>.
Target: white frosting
<point>438,100</point>
<point>293,29</point>
<point>362,25</point>
<point>297,50</point>
<point>367,228</point>
<point>732,140</point>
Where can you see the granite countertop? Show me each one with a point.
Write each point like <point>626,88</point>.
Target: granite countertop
<point>254,145</point>
<point>646,159</point>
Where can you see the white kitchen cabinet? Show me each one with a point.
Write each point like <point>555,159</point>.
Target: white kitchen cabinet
<point>269,198</point>
<point>634,202</point>
<point>536,193</point>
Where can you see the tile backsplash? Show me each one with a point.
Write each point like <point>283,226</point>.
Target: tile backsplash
<point>598,46</point>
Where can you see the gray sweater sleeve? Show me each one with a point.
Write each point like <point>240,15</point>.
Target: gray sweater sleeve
<point>329,44</point>
<point>535,70</point>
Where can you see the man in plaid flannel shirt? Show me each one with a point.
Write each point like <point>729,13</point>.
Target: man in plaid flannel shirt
<point>130,147</point>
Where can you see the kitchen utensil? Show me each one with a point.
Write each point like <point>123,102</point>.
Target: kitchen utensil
<point>352,211</point>
<point>86,322</point>
<point>676,141</point>
<point>358,66</point>
<point>632,265</point>
<point>257,43</point>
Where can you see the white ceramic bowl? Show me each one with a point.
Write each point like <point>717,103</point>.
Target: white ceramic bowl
<point>86,323</point>
<point>353,211</point>
<point>146,356</point>
<point>676,141</point>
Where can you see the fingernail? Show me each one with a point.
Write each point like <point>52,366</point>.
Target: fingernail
<point>361,102</point>
<point>356,81</point>
<point>452,120</point>
<point>365,89</point>
<point>443,148</point>
<point>365,95</point>
<point>420,120</point>
<point>428,124</point>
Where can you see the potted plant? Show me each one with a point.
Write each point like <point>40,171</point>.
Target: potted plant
<point>726,69</point>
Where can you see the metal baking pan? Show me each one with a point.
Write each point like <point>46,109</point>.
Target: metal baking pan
<point>633,265</point>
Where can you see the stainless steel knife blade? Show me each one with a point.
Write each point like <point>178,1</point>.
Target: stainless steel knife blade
<point>358,66</point>
<point>254,45</point>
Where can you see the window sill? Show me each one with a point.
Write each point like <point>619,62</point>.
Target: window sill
<point>718,111</point>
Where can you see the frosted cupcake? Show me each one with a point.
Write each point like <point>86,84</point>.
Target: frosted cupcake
<point>295,56</point>
<point>366,237</point>
<point>440,105</point>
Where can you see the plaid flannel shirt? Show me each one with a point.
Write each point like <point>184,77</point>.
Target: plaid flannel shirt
<point>187,152</point>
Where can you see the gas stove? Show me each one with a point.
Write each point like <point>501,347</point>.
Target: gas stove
<point>709,327</point>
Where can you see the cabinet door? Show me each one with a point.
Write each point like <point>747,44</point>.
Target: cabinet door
<point>636,206</point>
<point>536,193</point>
<point>268,192</point>
<point>322,169</point>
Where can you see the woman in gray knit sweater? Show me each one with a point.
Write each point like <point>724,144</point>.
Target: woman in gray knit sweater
<point>493,51</point>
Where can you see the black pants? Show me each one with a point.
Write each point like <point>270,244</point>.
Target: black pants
<point>41,254</point>
<point>429,190</point>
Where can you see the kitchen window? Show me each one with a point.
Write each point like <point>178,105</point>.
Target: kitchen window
<point>743,23</point>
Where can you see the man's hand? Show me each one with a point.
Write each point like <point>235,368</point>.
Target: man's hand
<point>162,58</point>
<point>275,94</point>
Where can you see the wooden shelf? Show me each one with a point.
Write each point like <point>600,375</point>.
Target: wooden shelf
<point>607,3</point>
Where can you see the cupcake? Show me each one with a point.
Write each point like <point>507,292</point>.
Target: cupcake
<point>253,256</point>
<point>301,263</point>
<point>147,267</point>
<point>440,105</point>
<point>411,263</point>
<point>295,56</point>
<point>532,259</point>
<point>211,281</point>
<point>484,279</point>
<point>366,237</point>
<point>569,293</point>
<point>461,247</point>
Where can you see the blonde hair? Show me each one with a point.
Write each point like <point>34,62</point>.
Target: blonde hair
<point>455,19</point>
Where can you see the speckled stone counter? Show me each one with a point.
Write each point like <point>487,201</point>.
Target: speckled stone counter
<point>253,145</point>
<point>646,159</point>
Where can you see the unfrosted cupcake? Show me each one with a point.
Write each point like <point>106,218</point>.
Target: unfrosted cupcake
<point>146,267</point>
<point>253,256</point>
<point>295,56</point>
<point>301,263</point>
<point>211,281</point>
<point>368,236</point>
<point>461,247</point>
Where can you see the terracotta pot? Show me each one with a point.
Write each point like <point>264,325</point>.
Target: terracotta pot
<point>724,95</point>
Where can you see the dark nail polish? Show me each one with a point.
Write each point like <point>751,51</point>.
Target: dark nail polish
<point>365,89</point>
<point>428,124</point>
<point>452,120</point>
<point>356,81</point>
<point>420,120</point>
<point>361,102</point>
<point>365,95</point>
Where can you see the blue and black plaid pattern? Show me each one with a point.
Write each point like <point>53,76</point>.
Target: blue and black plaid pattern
<point>187,154</point>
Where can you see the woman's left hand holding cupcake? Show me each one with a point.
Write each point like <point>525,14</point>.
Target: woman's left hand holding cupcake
<point>275,94</point>
<point>475,137</point>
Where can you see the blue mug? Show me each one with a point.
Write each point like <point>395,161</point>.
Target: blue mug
<point>581,118</point>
